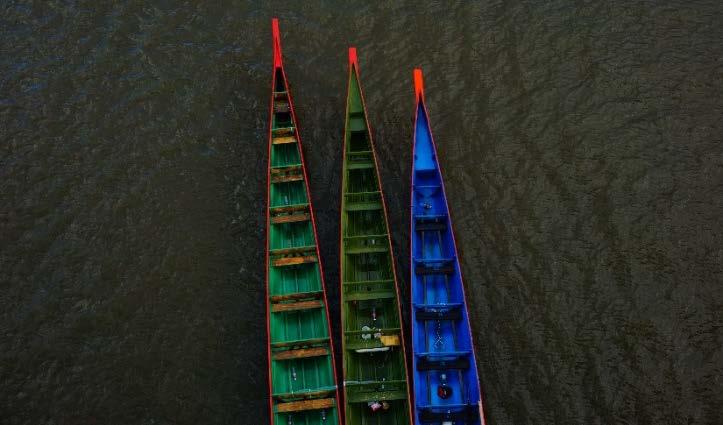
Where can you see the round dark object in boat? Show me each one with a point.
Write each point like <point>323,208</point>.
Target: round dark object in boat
<point>444,392</point>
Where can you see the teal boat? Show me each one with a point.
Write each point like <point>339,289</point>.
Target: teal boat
<point>302,379</point>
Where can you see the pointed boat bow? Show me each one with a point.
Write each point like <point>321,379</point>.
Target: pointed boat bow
<point>418,85</point>
<point>353,60</point>
<point>276,34</point>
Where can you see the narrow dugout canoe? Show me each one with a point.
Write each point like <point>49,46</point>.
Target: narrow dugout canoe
<point>375,373</point>
<point>446,385</point>
<point>302,379</point>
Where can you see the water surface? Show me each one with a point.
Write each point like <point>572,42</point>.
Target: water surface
<point>581,145</point>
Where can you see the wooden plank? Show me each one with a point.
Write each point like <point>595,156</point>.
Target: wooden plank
<point>281,170</point>
<point>289,208</point>
<point>290,218</point>
<point>292,261</point>
<point>304,395</point>
<point>296,296</point>
<point>301,353</point>
<point>390,340</point>
<point>285,178</point>
<point>280,140</point>
<point>301,343</point>
<point>297,406</point>
<point>300,305</point>
<point>292,251</point>
<point>283,131</point>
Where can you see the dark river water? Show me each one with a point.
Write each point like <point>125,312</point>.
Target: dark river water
<point>583,151</point>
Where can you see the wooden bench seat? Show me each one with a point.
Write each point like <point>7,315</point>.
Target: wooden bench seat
<point>292,261</point>
<point>313,404</point>
<point>290,218</point>
<point>299,343</point>
<point>295,306</point>
<point>315,295</point>
<point>301,353</point>
<point>283,131</point>
<point>285,178</point>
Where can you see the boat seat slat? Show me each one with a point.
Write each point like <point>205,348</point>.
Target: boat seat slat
<point>360,165</point>
<point>301,353</point>
<point>282,131</point>
<point>289,208</point>
<point>280,140</point>
<point>295,306</point>
<point>286,178</point>
<point>363,206</point>
<point>313,404</point>
<point>290,218</point>
<point>306,394</point>
<point>365,295</point>
<point>426,269</point>
<point>315,295</point>
<point>425,226</point>
<point>299,343</point>
<point>438,361</point>
<point>369,290</point>
<point>465,413</point>
<point>293,250</point>
<point>292,261</point>
<point>451,314</point>
<point>285,169</point>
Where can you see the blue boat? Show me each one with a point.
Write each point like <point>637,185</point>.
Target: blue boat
<point>446,385</point>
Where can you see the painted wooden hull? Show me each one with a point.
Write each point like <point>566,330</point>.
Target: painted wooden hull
<point>302,379</point>
<point>446,385</point>
<point>375,375</point>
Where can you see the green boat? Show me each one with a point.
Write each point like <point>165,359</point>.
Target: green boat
<point>375,371</point>
<point>302,379</point>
